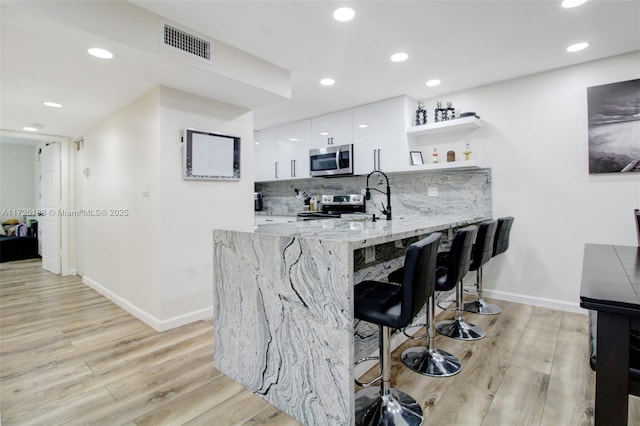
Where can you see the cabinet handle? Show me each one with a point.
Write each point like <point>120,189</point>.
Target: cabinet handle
<point>379,165</point>
<point>276,171</point>
<point>375,162</point>
<point>293,168</point>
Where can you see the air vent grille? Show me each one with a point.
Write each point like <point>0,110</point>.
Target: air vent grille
<point>186,42</point>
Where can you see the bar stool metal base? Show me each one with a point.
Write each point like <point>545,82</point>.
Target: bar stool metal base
<point>395,408</point>
<point>431,362</point>
<point>482,308</point>
<point>460,330</point>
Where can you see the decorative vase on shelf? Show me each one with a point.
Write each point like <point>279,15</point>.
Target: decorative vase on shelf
<point>421,115</point>
<point>435,155</point>
<point>450,111</point>
<point>437,113</point>
<point>451,156</point>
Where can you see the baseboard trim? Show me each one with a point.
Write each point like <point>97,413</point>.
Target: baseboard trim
<point>150,320</point>
<point>535,301</point>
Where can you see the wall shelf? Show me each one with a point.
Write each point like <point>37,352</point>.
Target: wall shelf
<point>465,123</point>
<point>454,165</point>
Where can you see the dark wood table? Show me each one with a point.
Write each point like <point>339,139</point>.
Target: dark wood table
<point>611,286</point>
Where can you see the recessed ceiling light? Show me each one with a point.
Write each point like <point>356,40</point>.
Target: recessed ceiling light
<point>29,129</point>
<point>100,53</point>
<point>53,104</point>
<point>399,57</point>
<point>294,139</point>
<point>257,143</point>
<point>432,83</point>
<point>324,133</point>
<point>363,126</point>
<point>327,82</point>
<point>344,14</point>
<point>572,3</point>
<point>577,47</point>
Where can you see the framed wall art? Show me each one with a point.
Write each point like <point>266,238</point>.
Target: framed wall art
<point>614,127</point>
<point>416,158</point>
<point>210,156</point>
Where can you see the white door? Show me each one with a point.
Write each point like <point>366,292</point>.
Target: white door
<point>49,222</point>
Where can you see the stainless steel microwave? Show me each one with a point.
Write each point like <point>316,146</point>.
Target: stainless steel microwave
<point>331,161</point>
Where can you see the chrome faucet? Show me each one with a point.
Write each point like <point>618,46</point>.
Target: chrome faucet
<point>385,210</point>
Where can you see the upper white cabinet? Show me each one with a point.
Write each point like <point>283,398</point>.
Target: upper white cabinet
<point>332,129</point>
<point>282,152</point>
<point>264,154</point>
<point>380,140</point>
<point>296,141</point>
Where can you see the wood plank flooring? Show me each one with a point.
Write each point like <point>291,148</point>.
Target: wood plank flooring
<point>68,356</point>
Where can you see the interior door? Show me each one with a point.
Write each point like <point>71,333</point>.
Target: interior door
<point>49,222</point>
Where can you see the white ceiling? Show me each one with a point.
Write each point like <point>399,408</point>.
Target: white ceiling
<point>463,43</point>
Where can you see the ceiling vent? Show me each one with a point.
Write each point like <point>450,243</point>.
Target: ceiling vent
<point>187,42</point>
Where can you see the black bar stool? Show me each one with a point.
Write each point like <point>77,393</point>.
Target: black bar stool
<point>428,360</point>
<point>393,306</point>
<point>500,245</point>
<point>481,253</point>
<point>450,276</point>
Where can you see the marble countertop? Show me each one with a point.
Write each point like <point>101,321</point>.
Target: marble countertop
<point>360,231</point>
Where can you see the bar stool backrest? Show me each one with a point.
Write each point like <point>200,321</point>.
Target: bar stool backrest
<point>501,241</point>
<point>483,247</point>
<point>419,275</point>
<point>459,257</point>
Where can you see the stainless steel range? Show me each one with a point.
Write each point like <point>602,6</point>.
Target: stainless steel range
<point>335,206</point>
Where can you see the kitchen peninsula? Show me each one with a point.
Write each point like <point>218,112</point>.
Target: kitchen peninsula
<point>283,305</point>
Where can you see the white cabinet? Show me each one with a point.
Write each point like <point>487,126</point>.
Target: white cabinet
<point>380,139</point>
<point>282,152</point>
<point>332,129</point>
<point>294,150</point>
<point>264,155</point>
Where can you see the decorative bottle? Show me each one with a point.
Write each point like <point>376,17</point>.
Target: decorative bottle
<point>467,152</point>
<point>435,155</point>
<point>421,114</point>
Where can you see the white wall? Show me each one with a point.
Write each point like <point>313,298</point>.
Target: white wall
<point>190,210</point>
<point>535,140</point>
<point>157,261</point>
<point>18,184</point>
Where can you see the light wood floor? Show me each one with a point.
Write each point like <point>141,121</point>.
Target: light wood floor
<point>69,356</point>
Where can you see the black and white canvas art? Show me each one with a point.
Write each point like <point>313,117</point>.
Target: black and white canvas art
<point>614,127</point>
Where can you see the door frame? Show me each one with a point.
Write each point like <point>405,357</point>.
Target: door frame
<point>67,195</point>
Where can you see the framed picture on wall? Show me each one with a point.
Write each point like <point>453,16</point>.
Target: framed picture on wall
<point>416,158</point>
<point>614,127</point>
<point>210,156</point>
